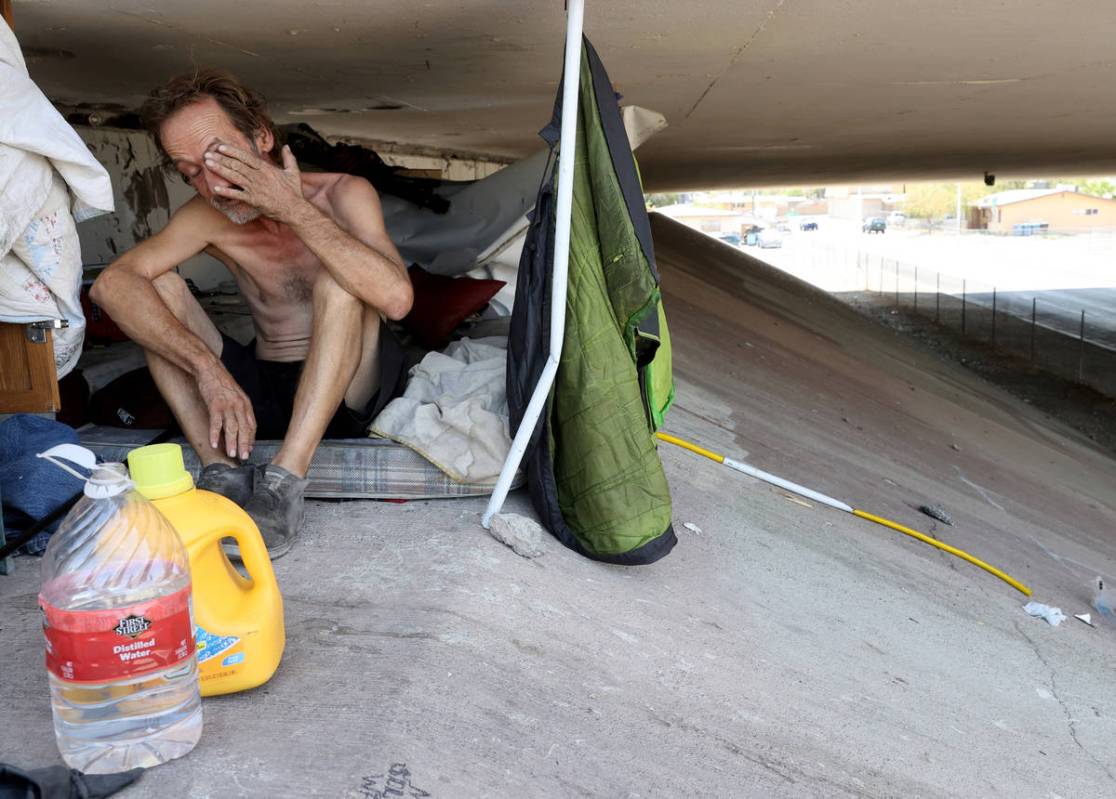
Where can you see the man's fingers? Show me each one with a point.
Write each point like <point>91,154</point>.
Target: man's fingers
<point>247,426</point>
<point>232,429</point>
<point>228,168</point>
<point>231,192</point>
<point>214,429</point>
<point>245,157</point>
<point>290,163</point>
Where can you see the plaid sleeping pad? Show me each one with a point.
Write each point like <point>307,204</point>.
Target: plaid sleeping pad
<point>358,468</point>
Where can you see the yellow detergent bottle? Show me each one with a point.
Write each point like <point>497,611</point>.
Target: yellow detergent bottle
<point>238,621</point>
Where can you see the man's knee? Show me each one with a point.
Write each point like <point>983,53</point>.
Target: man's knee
<point>173,291</point>
<point>331,297</point>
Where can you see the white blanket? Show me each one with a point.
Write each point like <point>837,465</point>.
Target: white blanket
<point>34,141</point>
<point>42,163</point>
<point>40,277</point>
<point>454,411</point>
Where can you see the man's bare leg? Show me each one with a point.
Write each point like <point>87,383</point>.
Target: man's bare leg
<point>344,343</point>
<point>342,364</point>
<point>177,387</point>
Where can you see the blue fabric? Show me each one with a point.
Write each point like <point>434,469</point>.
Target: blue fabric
<point>32,487</point>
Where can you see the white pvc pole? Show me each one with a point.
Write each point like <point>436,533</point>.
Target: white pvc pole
<point>794,488</point>
<point>567,154</point>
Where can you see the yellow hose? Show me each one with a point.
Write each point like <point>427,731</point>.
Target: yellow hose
<point>1018,586</point>
<point>681,442</point>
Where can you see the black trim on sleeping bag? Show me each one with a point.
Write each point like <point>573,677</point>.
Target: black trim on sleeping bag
<point>620,150</point>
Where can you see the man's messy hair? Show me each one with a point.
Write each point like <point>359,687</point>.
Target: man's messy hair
<point>246,108</point>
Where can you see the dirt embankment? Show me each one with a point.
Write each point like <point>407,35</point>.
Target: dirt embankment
<point>1081,407</point>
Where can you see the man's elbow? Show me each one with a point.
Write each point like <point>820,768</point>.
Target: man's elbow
<point>401,303</point>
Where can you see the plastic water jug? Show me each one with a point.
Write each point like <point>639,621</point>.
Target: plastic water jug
<point>115,600</point>
<point>238,620</point>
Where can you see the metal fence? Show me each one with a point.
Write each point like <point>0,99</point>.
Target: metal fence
<point>1043,327</point>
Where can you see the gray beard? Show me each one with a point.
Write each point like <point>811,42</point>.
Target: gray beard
<point>241,215</point>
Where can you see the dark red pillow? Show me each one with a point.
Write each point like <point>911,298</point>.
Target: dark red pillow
<point>442,303</point>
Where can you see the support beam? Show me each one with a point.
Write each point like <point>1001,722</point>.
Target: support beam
<point>571,85</point>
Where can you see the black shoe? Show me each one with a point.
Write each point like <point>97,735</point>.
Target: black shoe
<point>232,482</point>
<point>276,507</point>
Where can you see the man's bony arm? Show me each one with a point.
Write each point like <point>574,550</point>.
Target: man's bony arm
<point>362,259</point>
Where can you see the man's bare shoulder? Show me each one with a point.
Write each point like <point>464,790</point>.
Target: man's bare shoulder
<point>355,201</point>
<point>196,209</point>
<point>200,215</point>
<point>345,198</point>
<point>337,189</point>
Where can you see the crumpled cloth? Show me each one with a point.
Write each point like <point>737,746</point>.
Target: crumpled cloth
<point>454,411</point>
<point>1053,616</point>
<point>59,782</point>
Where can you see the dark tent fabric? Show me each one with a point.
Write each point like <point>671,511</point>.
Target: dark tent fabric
<point>593,468</point>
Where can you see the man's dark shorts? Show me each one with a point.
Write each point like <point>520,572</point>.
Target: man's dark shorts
<point>271,386</point>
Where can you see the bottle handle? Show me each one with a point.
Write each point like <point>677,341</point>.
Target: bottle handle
<point>253,551</point>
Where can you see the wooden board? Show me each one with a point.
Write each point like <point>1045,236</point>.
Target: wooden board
<point>28,381</point>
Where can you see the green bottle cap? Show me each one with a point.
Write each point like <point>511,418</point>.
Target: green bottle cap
<point>158,471</point>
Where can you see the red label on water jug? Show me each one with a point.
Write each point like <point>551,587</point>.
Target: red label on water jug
<point>98,646</point>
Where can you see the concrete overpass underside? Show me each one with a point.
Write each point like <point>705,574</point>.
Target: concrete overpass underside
<point>756,92</point>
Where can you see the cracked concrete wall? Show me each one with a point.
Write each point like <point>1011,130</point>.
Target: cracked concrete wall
<point>446,168</point>
<point>145,195</point>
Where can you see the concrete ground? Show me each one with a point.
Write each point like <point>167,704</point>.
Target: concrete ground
<point>785,650</point>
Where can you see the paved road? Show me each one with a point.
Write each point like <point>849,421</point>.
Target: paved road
<point>1066,275</point>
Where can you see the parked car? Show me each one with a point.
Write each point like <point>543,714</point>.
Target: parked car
<point>897,219</point>
<point>808,226</point>
<point>876,224</point>
<point>769,238</point>
<point>731,238</point>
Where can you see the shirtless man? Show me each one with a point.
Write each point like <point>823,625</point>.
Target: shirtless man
<point>318,270</point>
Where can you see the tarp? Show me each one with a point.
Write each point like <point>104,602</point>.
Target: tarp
<point>593,469</point>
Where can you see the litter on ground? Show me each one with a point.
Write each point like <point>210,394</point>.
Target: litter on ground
<point>1104,600</point>
<point>936,512</point>
<point>1053,616</point>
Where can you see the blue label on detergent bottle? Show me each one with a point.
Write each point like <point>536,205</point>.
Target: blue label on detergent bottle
<point>210,646</point>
